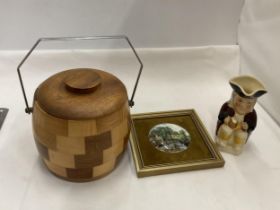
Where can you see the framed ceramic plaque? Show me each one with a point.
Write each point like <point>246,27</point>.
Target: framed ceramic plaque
<point>173,141</point>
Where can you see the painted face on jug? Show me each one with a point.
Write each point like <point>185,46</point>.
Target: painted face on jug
<point>243,105</point>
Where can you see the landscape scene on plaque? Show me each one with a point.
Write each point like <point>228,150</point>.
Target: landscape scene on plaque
<point>168,137</point>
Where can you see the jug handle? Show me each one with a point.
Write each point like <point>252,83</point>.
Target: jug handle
<point>29,109</point>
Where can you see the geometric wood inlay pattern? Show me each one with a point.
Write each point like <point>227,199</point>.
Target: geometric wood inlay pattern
<point>81,150</point>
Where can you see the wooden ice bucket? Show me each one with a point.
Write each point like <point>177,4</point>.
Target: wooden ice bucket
<point>81,123</point>
<point>81,119</point>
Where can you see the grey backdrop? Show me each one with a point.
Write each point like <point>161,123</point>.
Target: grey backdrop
<point>259,33</point>
<point>149,23</point>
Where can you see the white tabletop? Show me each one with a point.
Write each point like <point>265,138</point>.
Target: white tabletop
<point>172,79</point>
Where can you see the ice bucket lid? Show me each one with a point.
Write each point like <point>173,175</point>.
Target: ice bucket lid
<point>80,94</point>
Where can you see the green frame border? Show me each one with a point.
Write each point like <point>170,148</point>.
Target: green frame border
<point>158,169</point>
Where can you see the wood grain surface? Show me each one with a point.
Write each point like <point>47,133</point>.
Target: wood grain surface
<point>80,102</point>
<point>81,150</point>
<point>82,81</point>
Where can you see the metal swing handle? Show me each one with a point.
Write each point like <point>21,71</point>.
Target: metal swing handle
<point>29,109</point>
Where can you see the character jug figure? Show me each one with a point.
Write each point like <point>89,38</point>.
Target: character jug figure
<point>237,117</point>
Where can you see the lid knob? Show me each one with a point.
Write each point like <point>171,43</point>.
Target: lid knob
<point>82,81</point>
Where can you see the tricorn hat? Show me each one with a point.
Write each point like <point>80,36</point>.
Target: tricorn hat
<point>247,86</point>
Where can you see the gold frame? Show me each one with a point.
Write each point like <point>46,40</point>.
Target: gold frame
<point>157,169</point>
